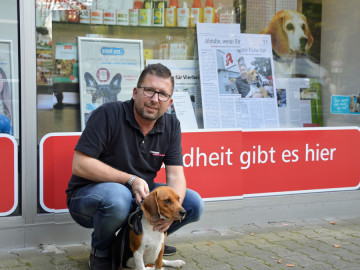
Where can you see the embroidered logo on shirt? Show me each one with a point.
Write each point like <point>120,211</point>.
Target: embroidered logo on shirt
<point>157,154</point>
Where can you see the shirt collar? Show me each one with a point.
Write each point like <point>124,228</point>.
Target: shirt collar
<point>159,126</point>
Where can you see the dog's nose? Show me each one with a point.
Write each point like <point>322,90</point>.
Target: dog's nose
<point>182,213</point>
<point>303,42</point>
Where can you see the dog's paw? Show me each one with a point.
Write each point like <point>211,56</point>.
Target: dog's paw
<point>174,263</point>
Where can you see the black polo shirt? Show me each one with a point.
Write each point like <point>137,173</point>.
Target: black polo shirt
<point>113,136</point>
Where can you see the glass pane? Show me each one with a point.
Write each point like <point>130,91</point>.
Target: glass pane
<point>9,107</point>
<point>314,59</point>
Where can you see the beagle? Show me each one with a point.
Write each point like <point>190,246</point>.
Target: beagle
<point>256,87</point>
<point>290,35</point>
<point>147,245</point>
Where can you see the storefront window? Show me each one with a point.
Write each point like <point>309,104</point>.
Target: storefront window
<point>307,78</point>
<point>9,108</point>
<point>315,69</point>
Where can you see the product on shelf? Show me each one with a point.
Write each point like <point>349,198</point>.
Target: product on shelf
<point>122,13</point>
<point>145,17</point>
<point>110,16</point>
<point>196,13</point>
<point>183,15</point>
<point>134,17</point>
<point>84,16</point>
<point>148,4</point>
<point>170,17</point>
<point>158,17</point>
<point>96,16</point>
<point>138,4</point>
<point>161,4</point>
<point>209,12</point>
<point>174,4</point>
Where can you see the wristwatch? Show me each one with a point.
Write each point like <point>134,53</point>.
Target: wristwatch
<point>130,182</point>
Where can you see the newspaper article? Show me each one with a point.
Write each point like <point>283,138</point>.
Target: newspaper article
<point>299,102</point>
<point>237,85</point>
<point>187,95</point>
<point>293,111</point>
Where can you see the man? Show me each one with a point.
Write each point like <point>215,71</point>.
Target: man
<point>242,83</point>
<point>117,158</point>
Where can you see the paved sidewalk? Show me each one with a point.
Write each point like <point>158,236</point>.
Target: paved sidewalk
<point>311,245</point>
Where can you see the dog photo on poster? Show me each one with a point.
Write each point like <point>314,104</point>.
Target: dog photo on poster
<point>295,38</point>
<point>108,71</point>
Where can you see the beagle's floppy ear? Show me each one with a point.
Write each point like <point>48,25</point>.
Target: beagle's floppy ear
<point>310,38</point>
<point>150,207</point>
<point>279,39</point>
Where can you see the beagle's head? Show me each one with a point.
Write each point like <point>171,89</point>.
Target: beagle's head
<point>253,76</point>
<point>290,33</point>
<point>163,203</point>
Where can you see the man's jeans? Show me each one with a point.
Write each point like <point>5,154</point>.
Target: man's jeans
<point>106,206</point>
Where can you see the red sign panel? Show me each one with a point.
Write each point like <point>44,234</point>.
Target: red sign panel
<point>232,164</point>
<point>56,155</point>
<point>9,175</point>
<point>306,160</point>
<point>210,160</point>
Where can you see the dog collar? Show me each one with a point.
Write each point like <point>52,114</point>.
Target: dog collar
<point>277,58</point>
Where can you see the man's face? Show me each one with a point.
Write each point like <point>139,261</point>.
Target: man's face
<point>151,108</point>
<point>243,71</point>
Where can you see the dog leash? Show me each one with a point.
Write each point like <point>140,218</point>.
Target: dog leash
<point>123,236</point>
<point>135,218</point>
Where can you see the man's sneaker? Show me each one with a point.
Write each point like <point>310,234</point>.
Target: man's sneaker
<point>98,263</point>
<point>169,250</point>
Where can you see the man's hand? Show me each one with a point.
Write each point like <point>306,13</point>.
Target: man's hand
<point>161,225</point>
<point>140,189</point>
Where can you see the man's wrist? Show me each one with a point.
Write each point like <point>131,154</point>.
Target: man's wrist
<point>129,182</point>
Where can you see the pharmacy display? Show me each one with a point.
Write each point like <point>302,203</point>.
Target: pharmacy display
<point>137,13</point>
<point>108,71</point>
<point>236,70</point>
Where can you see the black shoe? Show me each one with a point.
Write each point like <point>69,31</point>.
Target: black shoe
<point>98,263</point>
<point>169,250</point>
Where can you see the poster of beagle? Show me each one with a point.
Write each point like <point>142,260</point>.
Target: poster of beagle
<point>291,41</point>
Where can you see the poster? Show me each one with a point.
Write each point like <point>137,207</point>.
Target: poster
<point>237,72</point>
<point>187,95</point>
<point>44,67</point>
<point>8,107</point>
<point>108,71</point>
<point>345,104</point>
<point>66,63</point>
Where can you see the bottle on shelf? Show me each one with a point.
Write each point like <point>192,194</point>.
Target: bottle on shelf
<point>183,16</point>
<point>159,13</point>
<point>171,14</point>
<point>145,14</point>
<point>209,12</point>
<point>174,4</point>
<point>137,4</point>
<point>196,14</point>
<point>122,13</point>
<point>148,4</point>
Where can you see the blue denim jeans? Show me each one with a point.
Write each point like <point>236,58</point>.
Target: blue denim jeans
<point>106,206</point>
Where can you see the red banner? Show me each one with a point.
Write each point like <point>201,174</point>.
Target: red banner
<point>9,175</point>
<point>232,164</point>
